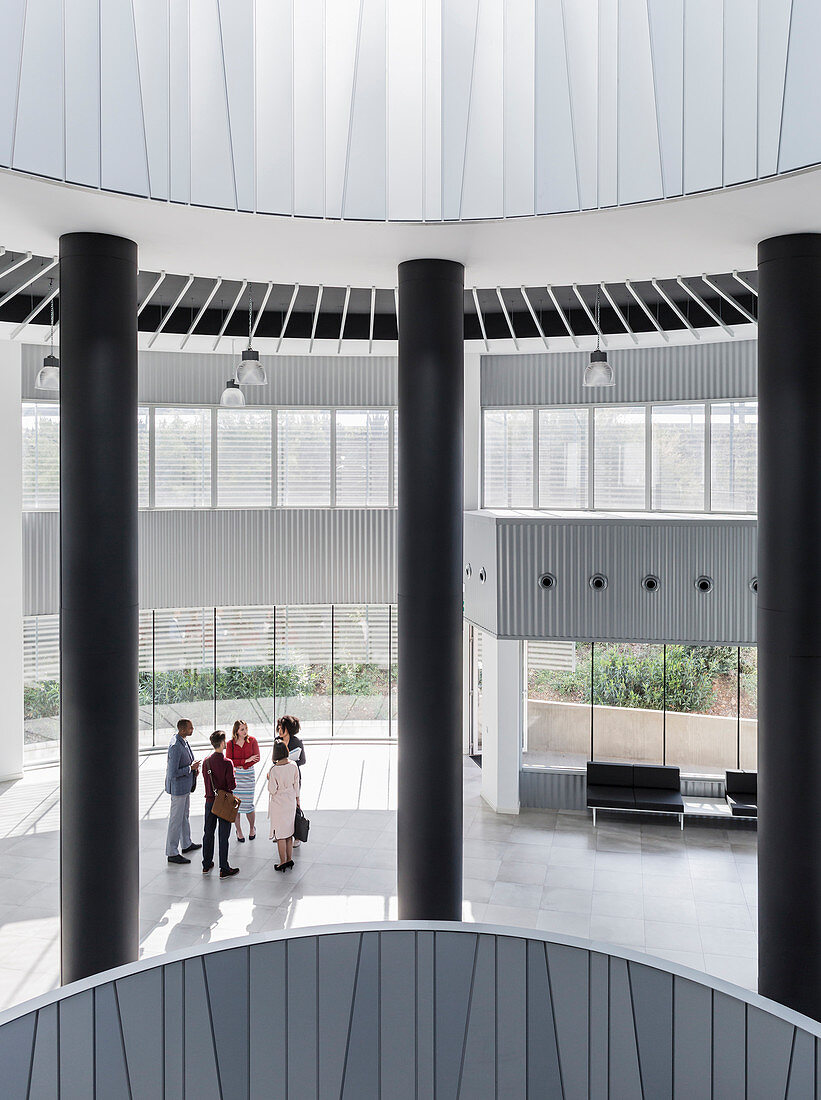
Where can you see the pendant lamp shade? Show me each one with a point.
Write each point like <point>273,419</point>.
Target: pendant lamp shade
<point>232,396</point>
<point>598,371</point>
<point>48,376</point>
<point>250,371</point>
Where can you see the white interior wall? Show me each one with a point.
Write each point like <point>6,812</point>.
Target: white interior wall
<point>501,723</point>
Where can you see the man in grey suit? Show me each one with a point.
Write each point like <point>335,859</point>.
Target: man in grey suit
<point>179,779</point>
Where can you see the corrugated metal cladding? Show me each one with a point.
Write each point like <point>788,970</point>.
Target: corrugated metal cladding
<point>187,378</point>
<point>624,550</point>
<point>227,558</point>
<point>681,373</point>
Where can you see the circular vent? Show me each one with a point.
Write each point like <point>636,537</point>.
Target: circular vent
<point>482,575</point>
<point>754,586</point>
<point>468,571</point>
<point>650,583</point>
<point>704,584</point>
<point>547,580</point>
<point>598,582</point>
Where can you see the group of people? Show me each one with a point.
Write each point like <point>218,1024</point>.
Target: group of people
<point>232,767</point>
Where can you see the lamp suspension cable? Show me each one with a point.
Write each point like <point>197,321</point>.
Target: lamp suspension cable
<point>598,371</point>
<point>48,376</point>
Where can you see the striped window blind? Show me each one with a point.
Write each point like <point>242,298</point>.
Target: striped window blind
<point>619,460</point>
<point>41,456</point>
<point>734,456</point>
<point>508,458</point>
<point>41,648</point>
<point>304,458</point>
<point>143,469</point>
<point>552,656</point>
<point>678,457</point>
<point>182,458</point>
<point>244,458</point>
<point>362,458</point>
<point>563,448</point>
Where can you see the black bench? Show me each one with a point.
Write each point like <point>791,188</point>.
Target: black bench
<point>741,792</point>
<point>637,788</point>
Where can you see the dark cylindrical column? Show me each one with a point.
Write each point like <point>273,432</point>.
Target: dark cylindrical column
<point>99,608</point>
<point>431,431</point>
<point>789,622</point>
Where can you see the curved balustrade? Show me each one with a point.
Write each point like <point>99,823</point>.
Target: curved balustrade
<point>407,1010</point>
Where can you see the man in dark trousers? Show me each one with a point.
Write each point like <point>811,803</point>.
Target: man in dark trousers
<point>180,779</point>
<point>218,775</point>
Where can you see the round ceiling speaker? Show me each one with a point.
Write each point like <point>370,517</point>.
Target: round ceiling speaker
<point>598,582</point>
<point>547,581</point>
<point>650,583</point>
<point>704,584</point>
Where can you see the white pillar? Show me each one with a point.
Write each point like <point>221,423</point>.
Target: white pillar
<point>11,562</point>
<point>501,723</point>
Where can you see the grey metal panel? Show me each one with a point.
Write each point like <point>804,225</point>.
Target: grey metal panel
<point>543,1067</point>
<point>480,553</point>
<point>142,1032</point>
<point>769,1051</point>
<point>16,1050</point>
<point>599,1025</point>
<point>267,1003</point>
<point>729,1068</point>
<point>685,372</point>
<point>303,1025</point>
<point>478,1077</point>
<point>45,1071</point>
<point>108,1063</point>
<point>237,558</point>
<point>540,789</point>
<point>185,378</point>
<point>361,1076</point>
<point>397,1006</point>
<point>425,1014</point>
<point>652,999</point>
<point>569,977</point>
<point>692,1040</point>
<point>455,960</point>
<point>77,1052</point>
<point>801,1081</point>
<point>173,1023</point>
<point>625,1075</point>
<point>201,1069</point>
<point>624,549</point>
<point>511,1016</point>
<point>338,969</point>
<point>227,980</point>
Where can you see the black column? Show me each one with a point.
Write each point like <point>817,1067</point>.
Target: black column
<point>99,815</point>
<point>789,622</point>
<point>431,433</point>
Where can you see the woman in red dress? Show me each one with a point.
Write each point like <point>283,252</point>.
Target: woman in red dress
<point>243,752</point>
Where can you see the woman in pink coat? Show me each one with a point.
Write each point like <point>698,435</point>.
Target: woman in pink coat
<point>283,799</point>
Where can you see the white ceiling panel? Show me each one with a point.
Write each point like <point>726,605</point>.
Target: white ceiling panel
<point>342,40</point>
<point>773,35</point>
<point>365,193</point>
<point>520,84</point>
<point>213,181</point>
<point>460,25</point>
<point>483,182</point>
<point>666,18</point>
<point>639,154</point>
<point>309,108</point>
<point>405,129</point>
<point>11,46</point>
<point>608,124</point>
<point>151,19</point>
<point>179,90</point>
<point>274,106</point>
<point>740,90</point>
<point>82,91</point>
<point>432,76</point>
<point>556,176</point>
<point>801,123</point>
<point>237,32</point>
<point>581,21</point>
<point>703,94</point>
<point>38,137</point>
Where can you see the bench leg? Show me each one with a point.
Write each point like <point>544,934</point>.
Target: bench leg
<point>594,817</point>
<point>681,821</point>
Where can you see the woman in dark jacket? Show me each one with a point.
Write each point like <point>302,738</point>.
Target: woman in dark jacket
<point>288,734</point>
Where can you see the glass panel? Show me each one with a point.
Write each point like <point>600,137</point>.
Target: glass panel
<point>748,756</point>
<point>619,458</point>
<point>183,672</point>
<point>734,456</point>
<point>563,458</point>
<point>41,456</point>
<point>394,686</point>
<point>303,458</point>
<point>557,721</point>
<point>628,701</point>
<point>143,416</point>
<point>182,441</point>
<point>508,458</point>
<point>395,457</point>
<point>303,667</point>
<point>702,707</point>
<point>245,669</point>
<point>362,441</point>
<point>678,458</point>
<point>146,680</point>
<point>244,458</point>
<point>361,671</point>
<point>41,688</point>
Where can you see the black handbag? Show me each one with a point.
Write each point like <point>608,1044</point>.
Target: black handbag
<point>301,826</point>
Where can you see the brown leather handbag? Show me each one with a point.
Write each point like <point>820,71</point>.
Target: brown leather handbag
<point>226,805</point>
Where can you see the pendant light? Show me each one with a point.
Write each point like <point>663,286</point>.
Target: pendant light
<point>232,396</point>
<point>598,371</point>
<point>48,376</point>
<point>250,371</point>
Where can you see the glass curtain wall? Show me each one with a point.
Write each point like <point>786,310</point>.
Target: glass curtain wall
<point>694,706</point>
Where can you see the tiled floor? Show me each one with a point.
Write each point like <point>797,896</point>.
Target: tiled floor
<point>686,896</point>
